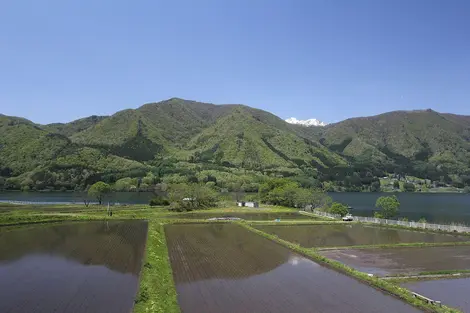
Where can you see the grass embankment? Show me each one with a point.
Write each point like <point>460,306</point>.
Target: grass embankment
<point>157,291</point>
<point>430,275</point>
<point>376,282</point>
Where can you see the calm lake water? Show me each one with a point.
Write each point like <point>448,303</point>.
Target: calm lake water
<point>438,208</point>
<point>442,208</point>
<point>74,197</point>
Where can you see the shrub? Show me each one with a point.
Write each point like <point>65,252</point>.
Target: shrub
<point>409,187</point>
<point>389,206</point>
<point>338,208</point>
<point>159,201</point>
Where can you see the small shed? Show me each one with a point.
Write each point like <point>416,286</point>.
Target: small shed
<point>249,204</point>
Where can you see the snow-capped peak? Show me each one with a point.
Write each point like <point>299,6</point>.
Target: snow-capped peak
<point>309,122</point>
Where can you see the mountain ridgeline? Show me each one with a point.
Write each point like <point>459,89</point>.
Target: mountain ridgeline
<point>176,139</point>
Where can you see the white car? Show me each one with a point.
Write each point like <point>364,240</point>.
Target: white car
<point>347,218</point>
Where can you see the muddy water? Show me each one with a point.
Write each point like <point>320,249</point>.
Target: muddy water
<point>71,267</point>
<point>350,235</point>
<point>452,292</point>
<point>403,260</point>
<point>225,268</point>
<point>245,216</point>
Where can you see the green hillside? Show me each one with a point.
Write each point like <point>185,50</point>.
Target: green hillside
<point>418,142</point>
<point>68,129</point>
<point>176,140</point>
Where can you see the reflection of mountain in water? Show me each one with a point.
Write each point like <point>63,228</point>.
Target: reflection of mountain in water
<point>116,245</point>
<point>200,252</point>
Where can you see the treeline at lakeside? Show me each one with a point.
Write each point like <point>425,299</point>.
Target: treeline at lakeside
<point>353,178</point>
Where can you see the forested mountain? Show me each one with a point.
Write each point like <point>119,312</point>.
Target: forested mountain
<point>422,143</point>
<point>176,139</point>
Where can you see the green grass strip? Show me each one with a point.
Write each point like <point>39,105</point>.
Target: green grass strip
<point>157,291</point>
<point>375,282</point>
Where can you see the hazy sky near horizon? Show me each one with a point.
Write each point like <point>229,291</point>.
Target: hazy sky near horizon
<point>324,59</point>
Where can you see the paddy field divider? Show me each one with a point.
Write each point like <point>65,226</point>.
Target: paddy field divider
<point>372,281</point>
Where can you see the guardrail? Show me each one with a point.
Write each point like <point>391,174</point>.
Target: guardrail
<point>374,220</point>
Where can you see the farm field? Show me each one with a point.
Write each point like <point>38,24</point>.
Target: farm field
<point>350,235</point>
<point>225,268</point>
<point>245,216</point>
<point>452,292</point>
<point>392,261</point>
<point>71,266</point>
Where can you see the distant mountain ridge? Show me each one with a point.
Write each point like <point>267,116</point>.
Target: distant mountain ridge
<point>182,136</point>
<point>308,122</point>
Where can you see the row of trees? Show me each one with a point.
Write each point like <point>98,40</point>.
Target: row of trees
<point>188,197</point>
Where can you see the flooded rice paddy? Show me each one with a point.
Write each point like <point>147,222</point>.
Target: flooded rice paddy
<point>246,216</point>
<point>351,235</point>
<point>452,292</point>
<point>393,261</point>
<point>225,268</point>
<point>71,267</point>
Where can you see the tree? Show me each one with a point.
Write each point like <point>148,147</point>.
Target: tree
<point>188,197</point>
<point>409,187</point>
<point>388,205</point>
<point>396,184</point>
<point>193,179</point>
<point>375,187</point>
<point>320,200</point>
<point>99,190</point>
<point>338,208</point>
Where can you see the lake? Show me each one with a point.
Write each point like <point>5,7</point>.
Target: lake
<point>442,208</point>
<point>434,207</point>
<point>74,197</point>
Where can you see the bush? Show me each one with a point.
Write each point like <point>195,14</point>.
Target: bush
<point>188,197</point>
<point>409,187</point>
<point>389,206</point>
<point>338,208</point>
<point>159,201</point>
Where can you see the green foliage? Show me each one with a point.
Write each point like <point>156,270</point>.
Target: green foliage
<point>388,205</point>
<point>232,144</point>
<point>375,187</point>
<point>396,184</point>
<point>288,193</point>
<point>338,208</point>
<point>422,220</point>
<point>99,190</point>
<point>378,215</point>
<point>159,201</point>
<point>409,187</point>
<point>188,197</point>
<point>126,184</point>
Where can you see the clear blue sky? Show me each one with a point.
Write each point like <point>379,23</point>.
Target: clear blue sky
<point>62,60</point>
